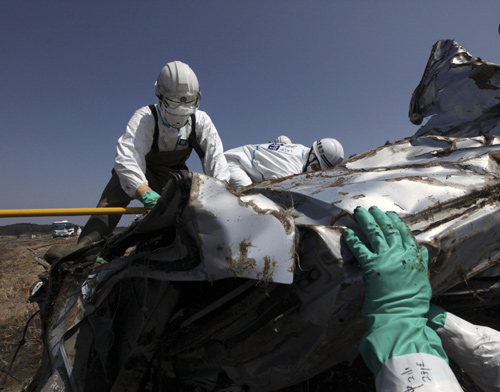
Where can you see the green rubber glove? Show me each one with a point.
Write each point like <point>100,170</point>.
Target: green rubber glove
<point>149,199</point>
<point>397,289</point>
<point>436,317</point>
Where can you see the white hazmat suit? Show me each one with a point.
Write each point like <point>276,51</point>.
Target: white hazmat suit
<point>258,162</point>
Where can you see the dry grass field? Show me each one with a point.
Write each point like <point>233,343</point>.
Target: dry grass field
<point>19,269</point>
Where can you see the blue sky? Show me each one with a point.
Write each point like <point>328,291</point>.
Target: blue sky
<point>73,73</point>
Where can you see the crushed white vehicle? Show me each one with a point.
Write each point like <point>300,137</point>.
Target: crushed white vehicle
<point>255,291</point>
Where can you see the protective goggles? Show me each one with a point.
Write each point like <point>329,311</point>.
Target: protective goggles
<point>173,102</point>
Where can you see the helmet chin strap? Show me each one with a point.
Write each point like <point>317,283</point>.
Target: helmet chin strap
<point>311,164</point>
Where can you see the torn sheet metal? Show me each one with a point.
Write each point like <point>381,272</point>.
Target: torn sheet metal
<point>268,337</point>
<point>219,234</point>
<point>195,303</point>
<point>244,236</point>
<point>446,189</point>
<point>458,94</point>
<point>235,235</point>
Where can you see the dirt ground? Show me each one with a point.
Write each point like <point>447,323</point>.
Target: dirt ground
<point>21,263</point>
<point>19,270</point>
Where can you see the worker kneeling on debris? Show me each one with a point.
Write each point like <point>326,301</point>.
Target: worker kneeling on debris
<point>158,140</point>
<point>257,162</point>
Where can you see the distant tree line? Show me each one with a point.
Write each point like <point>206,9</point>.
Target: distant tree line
<point>25,228</point>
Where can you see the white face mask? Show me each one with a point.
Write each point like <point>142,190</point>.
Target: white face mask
<point>176,121</point>
<point>175,118</point>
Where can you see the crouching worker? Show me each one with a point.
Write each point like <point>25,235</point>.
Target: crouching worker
<point>158,140</point>
<point>400,349</point>
<point>257,162</point>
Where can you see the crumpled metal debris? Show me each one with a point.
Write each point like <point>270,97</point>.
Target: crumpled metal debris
<point>256,290</point>
<point>446,189</point>
<point>458,94</point>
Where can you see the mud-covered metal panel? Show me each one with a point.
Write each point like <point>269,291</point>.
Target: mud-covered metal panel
<point>228,233</point>
<point>245,236</point>
<point>445,188</point>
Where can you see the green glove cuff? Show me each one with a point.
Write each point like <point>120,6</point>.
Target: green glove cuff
<point>399,337</point>
<point>436,317</point>
<point>149,199</point>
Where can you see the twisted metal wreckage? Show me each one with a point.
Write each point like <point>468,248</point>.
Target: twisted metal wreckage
<point>162,309</point>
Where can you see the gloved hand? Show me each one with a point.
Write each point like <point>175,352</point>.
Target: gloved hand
<point>397,289</point>
<point>149,199</point>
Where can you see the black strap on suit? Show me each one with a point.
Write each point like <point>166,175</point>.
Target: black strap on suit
<point>193,143</point>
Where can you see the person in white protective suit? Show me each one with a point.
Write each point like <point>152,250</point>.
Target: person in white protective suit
<point>257,162</point>
<point>158,140</point>
<point>407,338</point>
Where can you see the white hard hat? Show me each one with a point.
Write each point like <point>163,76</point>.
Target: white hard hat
<point>283,139</point>
<point>329,152</point>
<point>178,93</point>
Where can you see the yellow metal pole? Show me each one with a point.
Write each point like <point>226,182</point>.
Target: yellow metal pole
<point>71,211</point>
